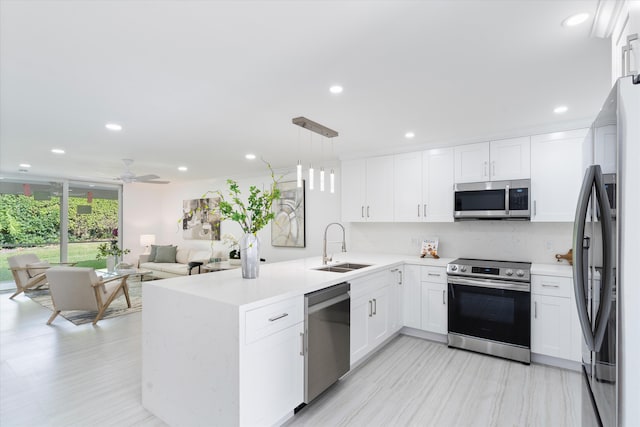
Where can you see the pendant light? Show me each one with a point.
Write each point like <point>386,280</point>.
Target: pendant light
<point>299,166</point>
<point>325,132</point>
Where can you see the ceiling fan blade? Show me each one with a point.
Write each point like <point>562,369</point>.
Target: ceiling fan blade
<point>146,177</point>
<point>155,182</point>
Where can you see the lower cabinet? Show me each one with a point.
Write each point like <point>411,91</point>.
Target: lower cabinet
<point>272,363</point>
<point>371,313</point>
<point>554,318</point>
<point>411,299</point>
<point>434,299</point>
<point>434,307</point>
<point>424,298</point>
<point>273,377</point>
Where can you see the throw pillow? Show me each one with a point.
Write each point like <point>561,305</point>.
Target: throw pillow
<point>154,250</point>
<point>36,268</point>
<point>166,254</point>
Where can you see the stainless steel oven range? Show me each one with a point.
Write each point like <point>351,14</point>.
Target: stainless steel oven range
<point>489,307</point>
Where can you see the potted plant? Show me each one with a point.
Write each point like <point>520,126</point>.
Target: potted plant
<point>111,251</point>
<point>252,217</point>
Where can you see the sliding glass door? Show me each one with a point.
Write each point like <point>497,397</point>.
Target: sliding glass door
<point>59,221</point>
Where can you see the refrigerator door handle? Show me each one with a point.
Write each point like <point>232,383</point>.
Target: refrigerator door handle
<point>593,336</point>
<point>581,253</point>
<point>608,275</point>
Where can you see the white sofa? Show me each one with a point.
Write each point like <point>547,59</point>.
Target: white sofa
<point>166,270</point>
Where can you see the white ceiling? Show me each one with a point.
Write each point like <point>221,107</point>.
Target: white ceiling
<point>202,83</point>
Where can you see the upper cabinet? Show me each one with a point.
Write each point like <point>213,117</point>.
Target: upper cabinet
<point>625,41</point>
<point>367,189</point>
<point>423,186</point>
<point>557,169</point>
<point>493,161</point>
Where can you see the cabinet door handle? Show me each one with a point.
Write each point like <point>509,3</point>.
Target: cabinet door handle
<point>534,208</point>
<point>418,210</point>
<point>424,210</point>
<point>485,169</point>
<point>493,166</point>
<point>545,285</point>
<point>443,301</point>
<point>362,211</point>
<point>367,211</point>
<point>274,318</point>
<point>375,307</point>
<point>535,309</point>
<point>400,273</point>
<point>301,343</point>
<point>434,274</point>
<point>370,308</point>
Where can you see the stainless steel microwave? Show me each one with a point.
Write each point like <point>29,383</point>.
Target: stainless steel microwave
<point>493,200</point>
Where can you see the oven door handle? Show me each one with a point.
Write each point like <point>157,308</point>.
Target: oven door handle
<point>489,283</point>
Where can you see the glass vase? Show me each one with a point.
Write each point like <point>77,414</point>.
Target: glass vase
<point>250,256</point>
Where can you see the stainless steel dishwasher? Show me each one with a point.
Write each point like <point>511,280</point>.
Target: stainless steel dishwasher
<point>327,315</point>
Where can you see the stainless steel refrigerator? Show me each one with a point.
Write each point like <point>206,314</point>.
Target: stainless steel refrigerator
<point>605,247</point>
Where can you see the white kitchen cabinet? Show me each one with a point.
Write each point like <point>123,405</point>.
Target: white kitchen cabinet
<point>493,161</point>
<point>625,53</point>
<point>554,318</point>
<point>272,378</point>
<point>411,297</point>
<point>423,186</point>
<point>396,285</point>
<point>550,326</point>
<point>370,313</point>
<point>367,189</point>
<point>434,300</point>
<point>407,185</point>
<point>438,185</point>
<point>557,168</point>
<point>510,159</point>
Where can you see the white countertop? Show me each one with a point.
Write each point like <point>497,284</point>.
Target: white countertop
<point>559,269</point>
<point>281,280</point>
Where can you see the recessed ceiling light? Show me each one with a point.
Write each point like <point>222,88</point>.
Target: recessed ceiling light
<point>25,165</point>
<point>576,19</point>
<point>57,151</point>
<point>560,109</point>
<point>336,89</point>
<point>182,168</point>
<point>250,156</point>
<point>409,135</point>
<point>113,126</point>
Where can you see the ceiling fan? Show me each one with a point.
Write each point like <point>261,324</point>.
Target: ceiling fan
<point>129,177</point>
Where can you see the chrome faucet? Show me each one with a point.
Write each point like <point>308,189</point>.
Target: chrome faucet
<point>325,258</point>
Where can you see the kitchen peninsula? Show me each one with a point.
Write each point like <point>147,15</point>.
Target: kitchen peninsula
<point>221,350</point>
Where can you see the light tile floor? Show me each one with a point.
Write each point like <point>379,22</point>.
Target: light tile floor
<point>67,375</point>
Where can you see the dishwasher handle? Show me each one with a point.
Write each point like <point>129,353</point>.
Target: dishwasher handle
<point>327,303</point>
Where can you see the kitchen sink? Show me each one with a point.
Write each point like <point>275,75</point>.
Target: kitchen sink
<point>344,267</point>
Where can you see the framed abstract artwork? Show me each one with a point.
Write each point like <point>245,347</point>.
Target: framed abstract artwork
<point>288,226</point>
<point>201,219</point>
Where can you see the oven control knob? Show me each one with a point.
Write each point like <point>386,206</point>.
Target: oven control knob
<point>454,268</point>
<point>519,273</point>
<point>509,272</point>
<point>463,268</point>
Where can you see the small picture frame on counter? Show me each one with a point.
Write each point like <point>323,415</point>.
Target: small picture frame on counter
<point>429,248</point>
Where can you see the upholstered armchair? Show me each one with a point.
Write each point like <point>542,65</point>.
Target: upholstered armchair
<point>28,271</point>
<point>79,288</point>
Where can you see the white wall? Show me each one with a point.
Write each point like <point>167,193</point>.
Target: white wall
<point>156,209</point>
<point>501,240</point>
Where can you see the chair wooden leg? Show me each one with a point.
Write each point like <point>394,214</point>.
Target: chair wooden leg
<point>18,292</point>
<point>53,316</point>
<point>99,316</point>
<point>125,290</point>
